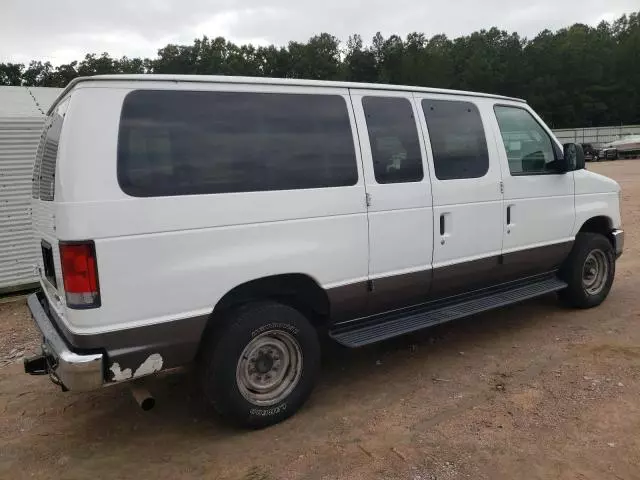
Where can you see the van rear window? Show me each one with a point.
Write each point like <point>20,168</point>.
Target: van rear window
<point>45,164</point>
<point>195,142</point>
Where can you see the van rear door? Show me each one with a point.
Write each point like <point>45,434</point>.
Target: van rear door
<point>43,207</point>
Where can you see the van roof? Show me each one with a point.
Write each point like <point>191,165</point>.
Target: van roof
<point>148,78</point>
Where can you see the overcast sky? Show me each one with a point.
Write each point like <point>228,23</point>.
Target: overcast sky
<point>64,30</point>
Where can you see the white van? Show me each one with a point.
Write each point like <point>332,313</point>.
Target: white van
<point>230,222</point>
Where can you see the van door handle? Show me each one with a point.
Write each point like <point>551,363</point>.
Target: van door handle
<point>509,215</point>
<point>442,224</point>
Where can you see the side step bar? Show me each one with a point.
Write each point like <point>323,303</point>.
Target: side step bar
<point>364,331</point>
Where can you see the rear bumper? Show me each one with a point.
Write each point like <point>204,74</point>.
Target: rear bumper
<point>618,241</point>
<point>71,370</point>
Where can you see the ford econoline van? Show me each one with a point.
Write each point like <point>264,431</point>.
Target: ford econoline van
<point>230,222</point>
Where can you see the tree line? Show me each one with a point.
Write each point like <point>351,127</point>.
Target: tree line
<point>578,76</point>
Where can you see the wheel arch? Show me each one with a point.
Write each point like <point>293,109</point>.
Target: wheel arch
<point>297,290</point>
<point>601,224</point>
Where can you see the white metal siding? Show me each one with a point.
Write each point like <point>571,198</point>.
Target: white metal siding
<point>19,137</point>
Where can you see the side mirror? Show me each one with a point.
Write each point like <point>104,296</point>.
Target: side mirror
<point>573,157</point>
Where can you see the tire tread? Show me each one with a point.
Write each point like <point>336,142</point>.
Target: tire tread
<point>217,361</point>
<point>571,272</point>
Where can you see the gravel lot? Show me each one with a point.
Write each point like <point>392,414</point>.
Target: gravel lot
<point>530,391</point>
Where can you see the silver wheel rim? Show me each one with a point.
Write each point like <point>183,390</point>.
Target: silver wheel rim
<point>595,272</point>
<point>269,368</point>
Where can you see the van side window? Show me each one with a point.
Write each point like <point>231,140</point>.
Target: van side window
<point>198,142</point>
<point>457,139</point>
<point>393,136</point>
<point>528,146</point>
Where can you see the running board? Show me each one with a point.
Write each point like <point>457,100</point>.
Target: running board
<point>364,331</point>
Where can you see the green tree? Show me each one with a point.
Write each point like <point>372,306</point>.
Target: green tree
<point>38,74</point>
<point>359,63</point>
<point>11,73</point>
<point>576,76</point>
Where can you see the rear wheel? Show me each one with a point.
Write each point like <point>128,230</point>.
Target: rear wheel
<point>261,367</point>
<point>589,270</point>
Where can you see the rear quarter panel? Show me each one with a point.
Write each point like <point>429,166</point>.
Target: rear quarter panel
<point>168,258</point>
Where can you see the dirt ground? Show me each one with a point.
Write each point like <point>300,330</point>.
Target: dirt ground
<point>531,391</point>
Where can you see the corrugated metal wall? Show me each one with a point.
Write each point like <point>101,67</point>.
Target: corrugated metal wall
<point>19,137</point>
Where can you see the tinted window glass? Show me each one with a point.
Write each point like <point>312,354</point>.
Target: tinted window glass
<point>457,139</point>
<point>180,143</point>
<point>393,137</point>
<point>529,148</point>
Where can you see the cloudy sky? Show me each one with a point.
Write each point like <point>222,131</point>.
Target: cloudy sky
<point>64,30</point>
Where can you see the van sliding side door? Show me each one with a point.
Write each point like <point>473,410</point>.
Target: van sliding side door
<point>398,197</point>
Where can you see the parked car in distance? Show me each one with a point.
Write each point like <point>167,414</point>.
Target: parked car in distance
<point>590,153</point>
<point>627,147</point>
<point>229,223</point>
<point>608,153</point>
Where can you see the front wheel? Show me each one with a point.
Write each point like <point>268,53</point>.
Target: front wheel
<point>589,271</point>
<point>261,367</point>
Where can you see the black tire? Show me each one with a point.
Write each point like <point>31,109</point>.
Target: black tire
<point>581,292</point>
<point>222,371</point>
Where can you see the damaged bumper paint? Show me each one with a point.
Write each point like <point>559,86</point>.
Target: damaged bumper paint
<point>151,365</point>
<point>87,362</point>
<point>66,368</point>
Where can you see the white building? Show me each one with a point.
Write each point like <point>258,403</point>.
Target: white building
<point>22,113</point>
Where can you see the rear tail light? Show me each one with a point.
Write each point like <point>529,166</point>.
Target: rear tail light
<point>80,274</point>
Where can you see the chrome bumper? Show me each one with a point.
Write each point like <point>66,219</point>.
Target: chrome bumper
<point>618,241</point>
<point>70,370</point>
